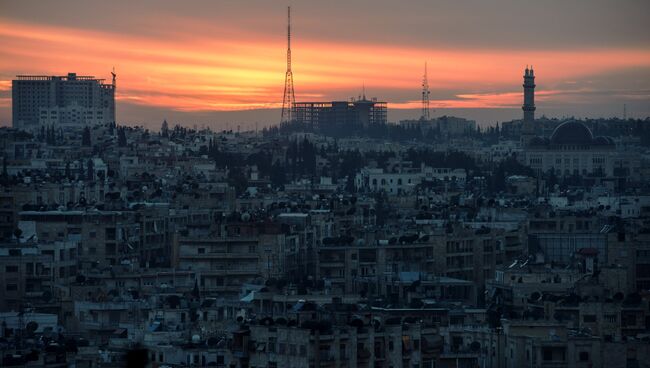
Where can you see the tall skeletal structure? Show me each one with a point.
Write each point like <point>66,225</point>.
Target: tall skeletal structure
<point>289,98</point>
<point>425,95</point>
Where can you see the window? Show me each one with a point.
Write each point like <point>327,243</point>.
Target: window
<point>610,318</point>
<point>201,250</point>
<point>12,269</point>
<point>111,249</point>
<point>584,356</point>
<point>628,320</point>
<point>12,287</point>
<point>589,318</point>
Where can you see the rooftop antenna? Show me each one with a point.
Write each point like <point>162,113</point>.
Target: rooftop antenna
<point>425,95</point>
<point>289,98</point>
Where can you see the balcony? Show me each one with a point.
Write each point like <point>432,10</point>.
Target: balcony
<point>221,255</point>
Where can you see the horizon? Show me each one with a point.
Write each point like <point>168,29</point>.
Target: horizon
<point>221,64</point>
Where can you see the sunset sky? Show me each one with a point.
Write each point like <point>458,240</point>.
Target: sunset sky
<point>196,62</point>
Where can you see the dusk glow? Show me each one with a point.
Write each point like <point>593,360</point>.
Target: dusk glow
<point>186,66</point>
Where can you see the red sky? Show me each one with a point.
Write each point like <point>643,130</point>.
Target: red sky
<point>190,64</point>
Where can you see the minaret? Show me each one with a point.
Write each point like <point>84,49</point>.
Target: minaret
<point>528,125</point>
<point>529,95</point>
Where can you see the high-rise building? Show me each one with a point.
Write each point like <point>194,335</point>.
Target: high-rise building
<point>62,101</point>
<point>340,114</point>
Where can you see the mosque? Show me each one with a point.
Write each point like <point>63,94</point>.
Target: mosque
<point>571,150</point>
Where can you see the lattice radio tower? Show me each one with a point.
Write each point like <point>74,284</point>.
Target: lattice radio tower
<point>425,94</point>
<point>289,98</point>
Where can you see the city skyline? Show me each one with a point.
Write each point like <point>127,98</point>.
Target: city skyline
<point>203,64</point>
<point>372,183</point>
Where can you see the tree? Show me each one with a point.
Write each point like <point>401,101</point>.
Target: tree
<point>17,234</point>
<point>164,129</point>
<point>85,138</point>
<point>81,169</point>
<point>121,137</point>
<point>277,176</point>
<point>91,170</point>
<point>50,136</point>
<point>237,178</point>
<point>381,208</point>
<point>551,180</point>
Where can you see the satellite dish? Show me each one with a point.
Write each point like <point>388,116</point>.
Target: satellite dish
<point>47,296</point>
<point>32,326</point>
<point>475,346</point>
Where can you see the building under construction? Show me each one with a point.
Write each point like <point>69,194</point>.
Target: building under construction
<point>360,113</point>
<point>62,101</point>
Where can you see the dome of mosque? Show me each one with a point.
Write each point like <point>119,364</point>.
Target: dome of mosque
<point>603,141</point>
<point>573,133</point>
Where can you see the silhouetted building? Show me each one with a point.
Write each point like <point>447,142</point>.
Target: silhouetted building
<point>345,114</point>
<point>61,101</point>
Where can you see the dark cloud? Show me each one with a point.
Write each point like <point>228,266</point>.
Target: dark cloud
<point>509,24</point>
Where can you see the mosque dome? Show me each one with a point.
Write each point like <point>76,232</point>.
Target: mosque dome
<point>572,132</point>
<point>603,141</point>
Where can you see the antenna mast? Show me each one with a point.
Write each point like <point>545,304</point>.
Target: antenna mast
<point>289,98</point>
<point>425,95</point>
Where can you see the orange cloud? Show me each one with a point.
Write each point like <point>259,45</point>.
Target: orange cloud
<point>186,72</point>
